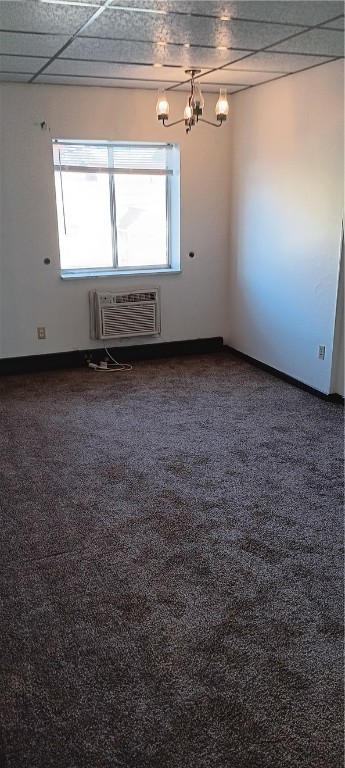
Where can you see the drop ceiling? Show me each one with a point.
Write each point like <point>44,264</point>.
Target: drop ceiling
<point>142,44</point>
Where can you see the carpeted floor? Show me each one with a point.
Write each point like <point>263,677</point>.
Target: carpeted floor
<point>171,569</point>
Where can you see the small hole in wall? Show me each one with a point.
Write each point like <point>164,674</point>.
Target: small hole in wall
<point>191,254</point>
<point>46,261</point>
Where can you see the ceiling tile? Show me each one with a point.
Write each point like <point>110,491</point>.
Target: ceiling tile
<point>34,16</point>
<point>317,41</point>
<point>336,24</point>
<point>25,44</point>
<point>145,53</point>
<point>278,62</point>
<point>20,64</point>
<point>226,77</point>
<point>286,11</point>
<point>152,28</point>
<point>104,69</point>
<point>182,29</point>
<point>209,88</point>
<point>6,77</point>
<point>308,12</point>
<point>100,82</point>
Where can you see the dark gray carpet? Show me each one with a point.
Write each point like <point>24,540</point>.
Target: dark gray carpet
<point>171,569</point>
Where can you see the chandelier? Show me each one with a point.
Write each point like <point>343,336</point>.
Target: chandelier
<point>194,107</point>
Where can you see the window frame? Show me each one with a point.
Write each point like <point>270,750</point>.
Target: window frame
<point>172,209</point>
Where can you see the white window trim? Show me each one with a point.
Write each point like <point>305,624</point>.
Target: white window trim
<point>70,274</point>
<point>173,221</point>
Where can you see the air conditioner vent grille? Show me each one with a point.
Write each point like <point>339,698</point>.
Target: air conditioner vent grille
<point>125,298</point>
<point>128,320</point>
<point>124,314</point>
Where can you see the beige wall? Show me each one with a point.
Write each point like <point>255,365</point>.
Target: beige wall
<point>337,380</point>
<point>286,216</point>
<point>33,294</point>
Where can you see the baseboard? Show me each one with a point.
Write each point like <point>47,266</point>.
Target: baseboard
<point>333,398</point>
<point>77,359</point>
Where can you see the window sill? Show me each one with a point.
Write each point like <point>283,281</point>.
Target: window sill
<point>81,274</point>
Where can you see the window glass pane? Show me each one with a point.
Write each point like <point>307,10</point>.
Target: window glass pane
<point>141,220</point>
<point>83,207</point>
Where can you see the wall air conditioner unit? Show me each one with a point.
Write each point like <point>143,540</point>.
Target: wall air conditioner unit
<point>124,314</point>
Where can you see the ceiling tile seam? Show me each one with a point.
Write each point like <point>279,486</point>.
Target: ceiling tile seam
<point>238,89</point>
<point>124,63</point>
<point>262,50</point>
<point>193,46</point>
<point>334,29</point>
<point>299,53</point>
<point>23,32</point>
<point>24,56</point>
<point>73,3</point>
<point>119,77</point>
<point>163,45</point>
<point>14,72</point>
<point>195,15</point>
<point>177,66</point>
<point>95,15</point>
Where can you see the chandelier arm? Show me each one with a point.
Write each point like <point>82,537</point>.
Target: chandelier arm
<point>215,125</point>
<point>169,125</point>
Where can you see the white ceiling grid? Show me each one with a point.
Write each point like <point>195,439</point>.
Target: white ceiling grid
<point>147,44</point>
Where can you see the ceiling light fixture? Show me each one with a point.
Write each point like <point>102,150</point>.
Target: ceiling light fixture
<point>194,107</point>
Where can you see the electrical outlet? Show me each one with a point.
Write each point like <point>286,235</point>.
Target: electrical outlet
<point>41,333</point>
<point>322,351</point>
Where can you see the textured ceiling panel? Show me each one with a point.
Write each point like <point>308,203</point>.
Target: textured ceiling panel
<point>306,12</point>
<point>30,45</point>
<point>13,78</point>
<point>156,40</point>
<point>278,62</point>
<point>103,82</point>
<point>20,64</point>
<point>187,29</point>
<point>207,88</point>
<point>33,16</point>
<point>317,41</point>
<point>337,24</point>
<point>144,53</point>
<point>173,28</point>
<point>226,77</point>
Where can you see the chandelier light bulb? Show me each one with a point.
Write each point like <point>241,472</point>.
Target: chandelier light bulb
<point>222,106</point>
<point>162,106</point>
<point>198,101</point>
<point>188,112</point>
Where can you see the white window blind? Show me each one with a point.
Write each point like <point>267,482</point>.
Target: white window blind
<point>153,159</point>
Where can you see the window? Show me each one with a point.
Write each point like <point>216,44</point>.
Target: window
<point>118,207</point>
